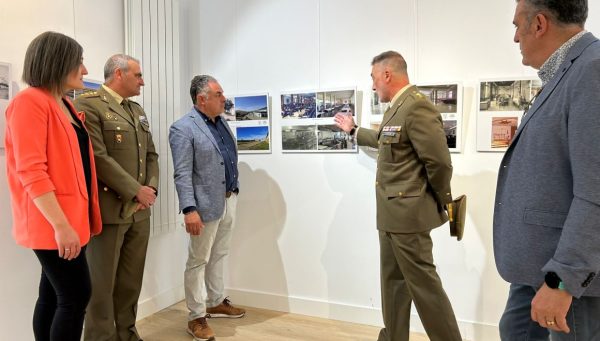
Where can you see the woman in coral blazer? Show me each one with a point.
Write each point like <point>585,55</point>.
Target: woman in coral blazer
<point>52,182</point>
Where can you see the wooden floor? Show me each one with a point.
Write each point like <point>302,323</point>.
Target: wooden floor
<point>258,325</point>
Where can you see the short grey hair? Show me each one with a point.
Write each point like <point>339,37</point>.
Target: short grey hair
<point>199,86</point>
<point>566,12</point>
<point>392,59</point>
<point>117,61</point>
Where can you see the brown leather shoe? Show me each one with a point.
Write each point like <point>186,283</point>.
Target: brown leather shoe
<point>225,309</point>
<point>200,330</point>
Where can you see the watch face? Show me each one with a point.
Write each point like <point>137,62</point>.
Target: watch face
<point>552,280</point>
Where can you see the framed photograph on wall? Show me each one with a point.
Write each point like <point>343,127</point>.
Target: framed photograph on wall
<point>249,117</point>
<point>5,96</point>
<point>500,109</point>
<point>377,110</point>
<point>307,121</point>
<point>448,100</point>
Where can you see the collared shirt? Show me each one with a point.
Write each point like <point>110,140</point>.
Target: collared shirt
<point>551,65</point>
<point>226,146</point>
<point>398,94</point>
<point>390,103</point>
<point>112,92</point>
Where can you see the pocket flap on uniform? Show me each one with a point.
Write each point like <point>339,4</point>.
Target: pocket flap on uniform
<point>404,189</point>
<point>544,218</point>
<point>118,126</point>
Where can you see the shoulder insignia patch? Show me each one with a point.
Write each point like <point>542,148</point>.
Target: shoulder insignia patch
<point>90,94</point>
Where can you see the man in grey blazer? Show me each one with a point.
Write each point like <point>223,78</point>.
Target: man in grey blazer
<point>206,178</point>
<point>547,209</point>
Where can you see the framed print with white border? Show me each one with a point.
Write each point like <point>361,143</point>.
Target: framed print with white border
<point>307,124</point>
<point>249,117</point>
<point>448,100</point>
<point>500,110</point>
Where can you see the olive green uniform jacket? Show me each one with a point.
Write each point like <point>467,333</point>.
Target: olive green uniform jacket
<point>413,165</point>
<point>124,153</point>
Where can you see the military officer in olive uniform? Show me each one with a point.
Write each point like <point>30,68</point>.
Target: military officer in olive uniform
<point>412,188</point>
<point>127,168</point>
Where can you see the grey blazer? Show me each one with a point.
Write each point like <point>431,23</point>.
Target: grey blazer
<point>547,209</point>
<point>199,168</point>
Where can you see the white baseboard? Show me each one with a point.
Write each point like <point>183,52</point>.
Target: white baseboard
<point>472,331</point>
<point>159,302</point>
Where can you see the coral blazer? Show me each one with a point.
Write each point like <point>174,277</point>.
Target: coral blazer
<point>42,155</point>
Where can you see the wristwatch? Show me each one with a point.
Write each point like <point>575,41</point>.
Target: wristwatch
<point>353,130</point>
<point>553,281</point>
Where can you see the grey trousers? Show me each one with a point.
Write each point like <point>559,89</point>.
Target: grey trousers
<point>203,278</point>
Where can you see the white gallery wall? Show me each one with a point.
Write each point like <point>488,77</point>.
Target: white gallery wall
<point>99,27</point>
<point>306,239</point>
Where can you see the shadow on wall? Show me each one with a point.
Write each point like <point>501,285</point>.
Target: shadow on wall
<point>255,263</point>
<point>351,255</point>
<point>479,231</point>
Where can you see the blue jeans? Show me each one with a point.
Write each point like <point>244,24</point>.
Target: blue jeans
<point>516,324</point>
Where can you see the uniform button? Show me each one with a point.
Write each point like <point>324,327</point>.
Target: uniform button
<point>499,203</point>
<point>140,145</point>
<point>118,128</point>
<point>105,189</point>
<point>222,163</point>
<point>400,193</point>
<point>141,161</point>
<point>223,182</point>
<point>141,174</point>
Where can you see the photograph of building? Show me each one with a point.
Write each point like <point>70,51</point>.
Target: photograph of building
<point>376,105</point>
<point>299,138</point>
<point>330,137</point>
<point>444,97</point>
<point>251,108</point>
<point>450,131</point>
<point>511,95</point>
<point>330,103</point>
<point>229,113</point>
<point>300,105</point>
<point>4,81</point>
<point>503,131</point>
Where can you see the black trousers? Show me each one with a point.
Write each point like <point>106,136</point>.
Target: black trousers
<point>65,290</point>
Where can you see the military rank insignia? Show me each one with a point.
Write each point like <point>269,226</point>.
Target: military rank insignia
<point>144,120</point>
<point>108,116</point>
